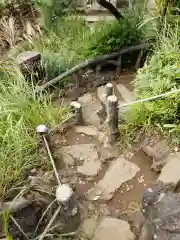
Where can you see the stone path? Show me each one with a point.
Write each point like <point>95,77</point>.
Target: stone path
<point>104,174</point>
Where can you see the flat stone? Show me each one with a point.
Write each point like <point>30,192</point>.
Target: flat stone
<point>68,160</point>
<point>125,93</point>
<point>90,115</point>
<point>90,131</point>
<point>158,152</point>
<point>86,99</point>
<point>101,93</point>
<point>97,18</point>
<point>119,172</point>
<point>89,168</point>
<point>87,153</point>
<point>107,154</point>
<point>88,227</point>
<point>170,173</point>
<point>28,56</point>
<point>111,228</point>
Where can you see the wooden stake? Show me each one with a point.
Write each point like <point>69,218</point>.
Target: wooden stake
<point>77,111</point>
<point>112,119</point>
<point>103,98</point>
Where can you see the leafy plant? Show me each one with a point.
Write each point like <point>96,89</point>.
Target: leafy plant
<point>115,35</point>
<point>160,74</point>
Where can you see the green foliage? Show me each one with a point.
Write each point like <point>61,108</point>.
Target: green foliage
<point>115,35</point>
<point>70,41</point>
<point>160,74</point>
<point>52,10</point>
<point>21,112</point>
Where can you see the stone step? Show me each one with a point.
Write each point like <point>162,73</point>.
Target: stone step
<point>170,174</point>
<point>119,172</point>
<point>90,106</point>
<point>158,151</point>
<point>124,93</point>
<point>90,131</point>
<point>112,228</point>
<point>98,18</point>
<point>101,93</point>
<point>87,154</point>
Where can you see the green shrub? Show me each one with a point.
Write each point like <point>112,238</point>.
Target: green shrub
<point>160,74</point>
<point>115,35</point>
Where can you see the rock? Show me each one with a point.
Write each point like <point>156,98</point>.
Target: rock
<point>89,108</point>
<point>87,154</point>
<point>111,228</point>
<point>89,168</point>
<point>125,93</point>
<point>158,152</point>
<point>28,57</point>
<point>88,227</point>
<point>33,171</point>
<point>86,99</point>
<point>67,159</point>
<point>90,131</point>
<point>107,154</point>
<point>41,184</point>
<point>161,208</point>
<point>119,172</point>
<point>16,205</point>
<point>170,173</point>
<point>101,93</point>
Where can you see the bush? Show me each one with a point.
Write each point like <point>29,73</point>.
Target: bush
<point>116,35</point>
<point>160,74</point>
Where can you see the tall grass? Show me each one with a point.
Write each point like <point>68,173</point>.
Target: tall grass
<point>20,113</point>
<point>70,41</point>
<point>160,74</point>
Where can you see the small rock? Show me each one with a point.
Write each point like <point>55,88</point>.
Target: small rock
<point>119,172</point>
<point>125,93</point>
<point>111,228</point>
<point>158,152</point>
<point>86,99</point>
<point>88,227</point>
<point>101,93</point>
<point>89,109</point>
<point>107,154</point>
<point>170,173</point>
<point>34,171</point>
<point>90,131</point>
<point>16,205</point>
<point>62,153</point>
<point>89,168</point>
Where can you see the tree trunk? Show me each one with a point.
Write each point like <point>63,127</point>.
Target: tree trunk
<point>111,8</point>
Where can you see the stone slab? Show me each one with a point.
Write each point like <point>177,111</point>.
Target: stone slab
<point>170,173</point>
<point>125,93</point>
<point>87,154</point>
<point>119,172</point>
<point>114,229</point>
<point>90,131</point>
<point>88,227</point>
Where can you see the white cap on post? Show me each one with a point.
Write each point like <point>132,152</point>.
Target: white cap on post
<point>63,193</point>
<point>42,129</point>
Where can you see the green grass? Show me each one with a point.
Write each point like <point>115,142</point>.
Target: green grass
<point>20,113</point>
<point>160,74</point>
<point>69,41</point>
